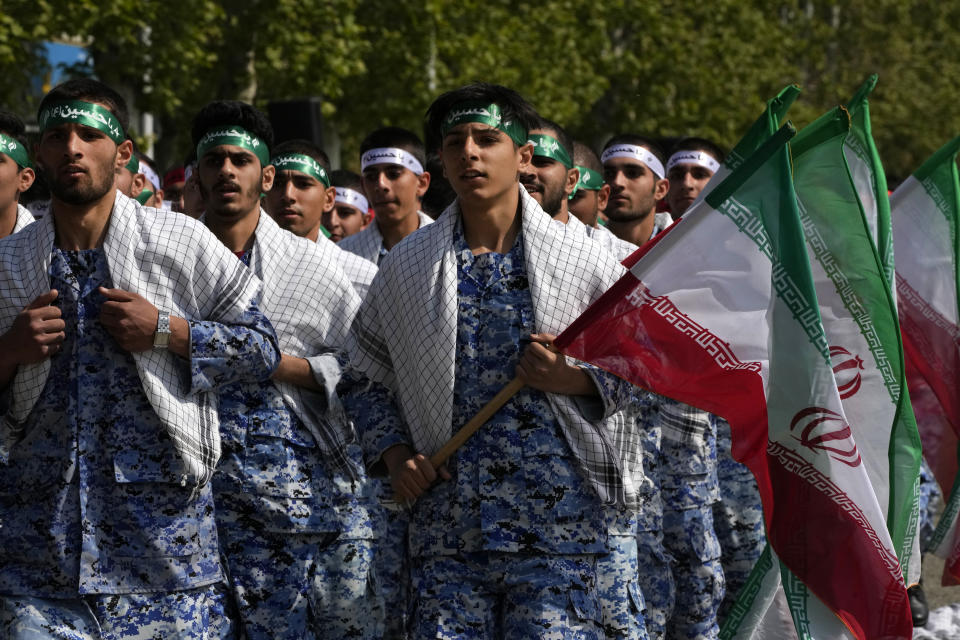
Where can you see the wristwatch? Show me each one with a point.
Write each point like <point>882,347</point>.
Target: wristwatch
<point>161,337</point>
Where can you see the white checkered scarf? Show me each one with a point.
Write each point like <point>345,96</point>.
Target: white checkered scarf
<point>24,217</point>
<point>175,263</point>
<point>407,332</point>
<point>620,248</point>
<point>311,304</point>
<point>367,243</point>
<point>360,271</point>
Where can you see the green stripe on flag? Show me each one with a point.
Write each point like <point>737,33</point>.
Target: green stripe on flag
<point>839,236</point>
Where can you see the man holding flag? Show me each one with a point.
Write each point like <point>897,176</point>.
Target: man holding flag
<point>505,543</point>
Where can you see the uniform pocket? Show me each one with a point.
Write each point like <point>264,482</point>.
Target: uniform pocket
<point>152,513</point>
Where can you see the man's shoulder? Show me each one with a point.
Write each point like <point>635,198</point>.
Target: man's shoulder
<point>355,243</point>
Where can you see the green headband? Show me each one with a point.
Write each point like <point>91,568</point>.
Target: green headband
<point>303,164</point>
<point>235,136</point>
<point>133,165</point>
<point>85,113</point>
<point>145,195</point>
<point>549,147</point>
<point>589,180</point>
<point>489,114</point>
<point>15,151</point>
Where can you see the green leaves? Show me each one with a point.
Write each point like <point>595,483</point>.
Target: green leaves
<point>672,68</point>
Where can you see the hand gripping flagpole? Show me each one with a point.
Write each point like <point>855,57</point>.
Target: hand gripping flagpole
<point>477,421</point>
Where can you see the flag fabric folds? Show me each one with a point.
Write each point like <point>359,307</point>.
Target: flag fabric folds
<point>925,211</point>
<point>729,322</point>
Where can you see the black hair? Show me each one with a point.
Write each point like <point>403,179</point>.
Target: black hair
<point>439,194</point>
<point>232,112</point>
<point>191,157</point>
<point>586,157</point>
<point>13,126</point>
<point>395,137</point>
<point>304,147</point>
<point>700,144</point>
<point>513,106</point>
<point>346,180</point>
<point>559,133</point>
<point>638,141</point>
<point>89,90</point>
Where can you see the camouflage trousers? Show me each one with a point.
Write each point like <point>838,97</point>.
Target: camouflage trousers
<point>475,596</point>
<point>621,599</point>
<point>303,585</point>
<point>392,565</point>
<point>656,582</point>
<point>930,499</point>
<point>689,537</point>
<point>195,614</point>
<point>737,520</point>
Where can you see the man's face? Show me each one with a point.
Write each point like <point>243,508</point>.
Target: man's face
<point>231,181</point>
<point>394,192</point>
<point>13,182</point>
<point>173,192</point>
<point>586,204</point>
<point>547,180</point>
<point>686,183</point>
<point>124,181</point>
<point>297,201</point>
<point>634,189</point>
<point>80,163</point>
<point>481,162</point>
<point>344,220</point>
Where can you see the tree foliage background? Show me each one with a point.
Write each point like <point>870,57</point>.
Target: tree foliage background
<point>667,69</point>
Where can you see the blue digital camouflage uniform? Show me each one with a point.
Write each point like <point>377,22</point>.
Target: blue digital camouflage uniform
<point>622,604</point>
<point>392,556</point>
<point>653,561</point>
<point>508,546</point>
<point>296,535</point>
<point>737,518</point>
<point>91,500</point>
<point>689,490</point>
<point>930,503</point>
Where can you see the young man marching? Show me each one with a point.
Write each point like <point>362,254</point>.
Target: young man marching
<point>505,544</point>
<point>294,526</point>
<point>118,322</point>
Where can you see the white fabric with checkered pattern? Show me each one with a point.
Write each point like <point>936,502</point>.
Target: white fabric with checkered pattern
<point>367,243</point>
<point>311,304</point>
<point>406,335</point>
<point>177,265</point>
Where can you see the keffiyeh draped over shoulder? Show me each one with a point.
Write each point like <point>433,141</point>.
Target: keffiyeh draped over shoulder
<point>24,217</point>
<point>175,263</point>
<point>406,335</point>
<point>311,304</point>
<point>367,243</point>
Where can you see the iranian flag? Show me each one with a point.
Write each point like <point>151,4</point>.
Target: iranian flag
<point>860,321</point>
<point>925,211</point>
<point>721,313</point>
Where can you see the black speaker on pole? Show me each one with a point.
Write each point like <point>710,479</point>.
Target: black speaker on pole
<point>296,119</point>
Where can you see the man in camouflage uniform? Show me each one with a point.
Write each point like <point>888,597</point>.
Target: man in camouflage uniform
<point>106,515</point>
<point>506,543</point>
<point>294,524</point>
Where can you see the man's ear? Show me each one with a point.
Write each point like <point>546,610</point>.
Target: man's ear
<point>25,179</point>
<point>573,177</point>
<point>331,200</point>
<point>423,183</point>
<point>526,155</point>
<point>124,153</point>
<point>266,178</point>
<point>660,189</point>
<point>603,197</point>
<point>138,184</point>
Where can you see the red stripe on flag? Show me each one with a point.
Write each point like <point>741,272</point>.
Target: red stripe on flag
<point>868,594</point>
<point>703,372</point>
<point>931,345</point>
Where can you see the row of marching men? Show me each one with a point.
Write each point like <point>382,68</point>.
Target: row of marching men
<point>226,424</point>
